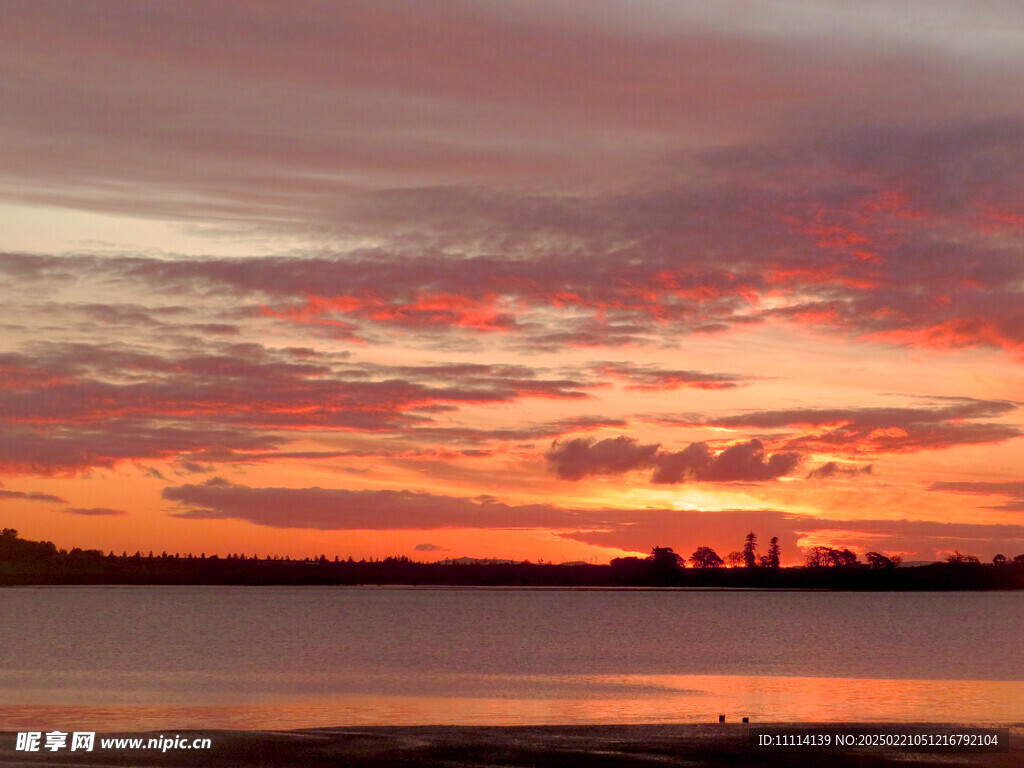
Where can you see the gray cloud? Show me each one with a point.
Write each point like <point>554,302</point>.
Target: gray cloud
<point>72,448</point>
<point>743,462</point>
<point>94,511</point>
<point>30,496</point>
<point>833,469</point>
<point>429,548</point>
<point>297,107</point>
<point>325,508</point>
<point>534,432</point>
<point>651,377</point>
<point>629,529</point>
<point>582,456</point>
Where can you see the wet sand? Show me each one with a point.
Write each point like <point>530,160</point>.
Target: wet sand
<point>694,746</point>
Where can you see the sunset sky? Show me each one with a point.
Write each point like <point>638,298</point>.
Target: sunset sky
<point>558,280</point>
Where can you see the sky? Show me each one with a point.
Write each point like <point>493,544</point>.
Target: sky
<point>555,280</point>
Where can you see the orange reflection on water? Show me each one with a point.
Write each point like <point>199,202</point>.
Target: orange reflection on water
<point>645,699</point>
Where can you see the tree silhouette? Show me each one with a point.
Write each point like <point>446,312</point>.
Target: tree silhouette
<point>878,560</point>
<point>959,558</point>
<point>706,557</point>
<point>817,557</point>
<point>750,551</point>
<point>665,558</point>
<point>14,548</point>
<point>844,558</point>
<point>734,559</point>
<point>828,557</point>
<point>774,552</point>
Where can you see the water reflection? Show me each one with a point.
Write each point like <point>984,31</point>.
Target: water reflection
<point>596,699</point>
<point>145,657</point>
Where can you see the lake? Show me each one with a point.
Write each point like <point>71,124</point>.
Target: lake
<point>282,657</point>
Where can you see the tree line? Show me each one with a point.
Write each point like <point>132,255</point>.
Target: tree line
<point>706,557</point>
<point>816,557</point>
<point>24,562</point>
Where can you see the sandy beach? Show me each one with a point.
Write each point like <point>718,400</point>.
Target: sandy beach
<point>599,746</point>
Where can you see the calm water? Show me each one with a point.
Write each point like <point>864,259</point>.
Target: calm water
<point>154,657</point>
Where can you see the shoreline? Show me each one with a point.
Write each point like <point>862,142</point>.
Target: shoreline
<point>710,745</point>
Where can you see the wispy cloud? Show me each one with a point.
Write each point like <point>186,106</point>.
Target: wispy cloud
<point>875,430</point>
<point>1013,490</point>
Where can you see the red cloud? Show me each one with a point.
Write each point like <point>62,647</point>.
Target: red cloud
<point>867,431</point>
<point>418,312</point>
<point>958,333</point>
<point>82,405</point>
